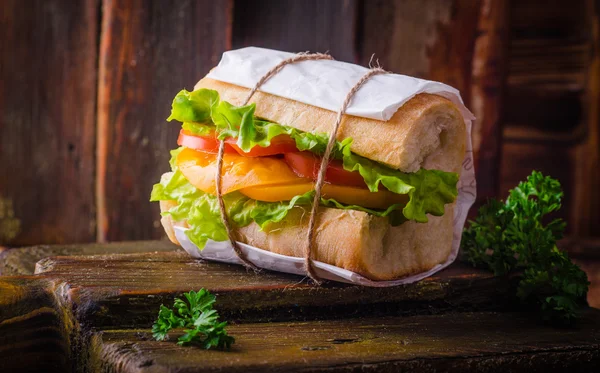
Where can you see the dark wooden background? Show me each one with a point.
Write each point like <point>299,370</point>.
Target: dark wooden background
<point>85,87</point>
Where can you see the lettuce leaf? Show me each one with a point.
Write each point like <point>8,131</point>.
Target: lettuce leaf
<point>176,188</point>
<point>199,129</point>
<point>193,106</point>
<point>393,212</point>
<point>201,209</point>
<point>239,122</point>
<point>173,161</point>
<point>428,190</point>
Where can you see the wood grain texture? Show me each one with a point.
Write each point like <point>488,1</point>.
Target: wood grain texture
<point>21,261</point>
<point>33,334</point>
<point>48,50</point>
<point>483,342</point>
<point>51,320</point>
<point>586,209</point>
<point>551,121</point>
<point>297,26</point>
<point>120,291</point>
<point>149,51</point>
<point>487,94</point>
<point>436,40</point>
<point>592,269</point>
<point>543,115</point>
<point>549,53</point>
<point>431,39</point>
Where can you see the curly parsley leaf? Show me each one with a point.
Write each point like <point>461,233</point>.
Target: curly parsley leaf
<point>200,321</point>
<point>514,235</point>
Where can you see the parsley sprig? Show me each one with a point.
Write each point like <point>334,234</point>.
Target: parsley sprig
<point>195,313</point>
<point>513,235</point>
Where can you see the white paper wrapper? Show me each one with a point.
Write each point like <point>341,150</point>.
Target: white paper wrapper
<point>324,84</point>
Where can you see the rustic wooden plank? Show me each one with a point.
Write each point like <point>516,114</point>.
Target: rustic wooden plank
<point>148,52</point>
<point>126,290</point>
<point>33,334</point>
<point>297,26</point>
<point>549,55</point>
<point>487,90</point>
<point>21,261</point>
<point>487,342</point>
<point>431,39</point>
<point>586,217</point>
<point>551,120</point>
<point>592,269</point>
<point>47,99</point>
<point>456,42</point>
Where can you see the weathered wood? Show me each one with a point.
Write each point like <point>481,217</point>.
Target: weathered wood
<point>582,247</point>
<point>297,26</point>
<point>487,93</point>
<point>431,39</point>
<point>486,342</point>
<point>33,334</point>
<point>592,269</point>
<point>149,51</point>
<point>547,117</point>
<point>47,97</point>
<point>126,290</point>
<point>461,43</point>
<point>73,296</point>
<point>586,217</point>
<point>21,261</point>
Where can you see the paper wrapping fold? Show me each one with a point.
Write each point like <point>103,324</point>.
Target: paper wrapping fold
<point>324,84</point>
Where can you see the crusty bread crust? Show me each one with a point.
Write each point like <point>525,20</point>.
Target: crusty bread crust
<point>428,131</point>
<point>353,240</point>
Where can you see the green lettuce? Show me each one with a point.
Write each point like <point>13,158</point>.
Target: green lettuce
<point>199,129</point>
<point>428,190</point>
<point>193,106</point>
<point>201,210</point>
<point>173,161</point>
<point>202,112</point>
<point>239,122</point>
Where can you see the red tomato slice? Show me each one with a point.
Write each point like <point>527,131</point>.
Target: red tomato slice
<point>279,145</point>
<point>207,144</point>
<point>306,164</point>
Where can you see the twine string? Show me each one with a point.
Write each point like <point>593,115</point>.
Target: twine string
<point>305,56</point>
<point>228,228</point>
<point>310,270</point>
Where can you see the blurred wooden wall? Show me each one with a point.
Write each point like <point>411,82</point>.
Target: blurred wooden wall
<point>85,87</point>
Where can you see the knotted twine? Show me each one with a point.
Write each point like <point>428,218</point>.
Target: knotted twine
<point>323,168</point>
<point>277,68</point>
<point>310,271</point>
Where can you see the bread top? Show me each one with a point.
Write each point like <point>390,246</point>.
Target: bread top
<point>428,131</point>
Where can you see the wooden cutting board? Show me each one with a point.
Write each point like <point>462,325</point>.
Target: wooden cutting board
<point>89,308</point>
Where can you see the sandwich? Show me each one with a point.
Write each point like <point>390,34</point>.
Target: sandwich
<point>390,190</point>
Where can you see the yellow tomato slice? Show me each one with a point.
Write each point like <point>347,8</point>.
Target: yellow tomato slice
<point>344,194</point>
<point>238,172</point>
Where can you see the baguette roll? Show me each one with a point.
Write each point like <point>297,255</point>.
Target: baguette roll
<point>353,240</point>
<point>428,131</point>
